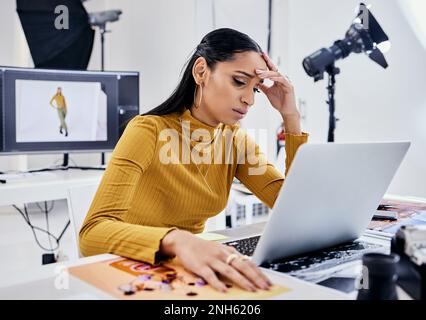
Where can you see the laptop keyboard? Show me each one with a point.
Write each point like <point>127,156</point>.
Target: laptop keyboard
<point>344,252</point>
<point>319,265</point>
<point>245,246</point>
<point>313,266</point>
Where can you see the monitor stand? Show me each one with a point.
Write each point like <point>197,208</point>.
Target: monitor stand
<point>66,160</point>
<point>64,166</point>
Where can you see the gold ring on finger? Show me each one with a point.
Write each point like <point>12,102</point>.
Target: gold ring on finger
<point>232,257</point>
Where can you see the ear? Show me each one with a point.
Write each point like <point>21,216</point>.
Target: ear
<point>200,71</point>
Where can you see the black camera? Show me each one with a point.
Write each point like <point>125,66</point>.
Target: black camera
<point>410,244</point>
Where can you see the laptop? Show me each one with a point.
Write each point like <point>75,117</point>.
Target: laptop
<point>328,198</point>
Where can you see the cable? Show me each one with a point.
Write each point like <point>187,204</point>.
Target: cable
<point>213,15</point>
<point>269,26</point>
<point>26,217</point>
<point>59,160</point>
<point>53,169</point>
<point>49,210</point>
<point>65,228</point>
<point>46,214</point>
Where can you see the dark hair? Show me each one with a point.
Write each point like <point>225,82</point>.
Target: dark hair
<point>217,45</point>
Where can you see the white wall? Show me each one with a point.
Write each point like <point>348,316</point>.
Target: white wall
<point>372,103</point>
<point>157,37</point>
<point>14,52</point>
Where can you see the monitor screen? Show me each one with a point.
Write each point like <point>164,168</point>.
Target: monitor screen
<point>48,111</point>
<point>59,110</point>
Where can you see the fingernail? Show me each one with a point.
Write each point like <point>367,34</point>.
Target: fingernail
<point>251,287</point>
<point>263,285</point>
<point>259,71</point>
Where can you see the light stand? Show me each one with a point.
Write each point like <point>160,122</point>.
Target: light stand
<point>100,19</point>
<point>102,31</point>
<point>365,35</point>
<point>331,71</point>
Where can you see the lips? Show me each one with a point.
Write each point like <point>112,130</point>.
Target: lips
<point>240,111</point>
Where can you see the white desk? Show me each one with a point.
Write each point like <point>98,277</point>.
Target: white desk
<point>42,283</point>
<point>45,186</point>
<point>47,283</point>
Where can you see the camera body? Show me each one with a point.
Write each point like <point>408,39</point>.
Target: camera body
<point>410,244</point>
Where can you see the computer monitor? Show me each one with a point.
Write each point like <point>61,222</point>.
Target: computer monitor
<point>53,111</point>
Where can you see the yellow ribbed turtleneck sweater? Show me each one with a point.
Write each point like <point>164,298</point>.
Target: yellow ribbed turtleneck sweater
<point>141,197</point>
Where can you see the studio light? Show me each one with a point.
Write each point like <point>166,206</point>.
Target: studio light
<point>365,35</point>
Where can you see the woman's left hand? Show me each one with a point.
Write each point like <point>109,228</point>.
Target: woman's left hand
<point>281,93</point>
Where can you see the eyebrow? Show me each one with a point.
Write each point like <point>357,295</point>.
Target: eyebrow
<point>248,75</point>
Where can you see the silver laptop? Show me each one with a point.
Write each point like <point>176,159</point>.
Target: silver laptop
<point>329,197</point>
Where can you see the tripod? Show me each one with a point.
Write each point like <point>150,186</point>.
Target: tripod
<point>102,30</point>
<point>100,19</point>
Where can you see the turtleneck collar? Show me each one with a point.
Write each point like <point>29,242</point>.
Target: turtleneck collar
<point>189,124</point>
<point>197,124</point>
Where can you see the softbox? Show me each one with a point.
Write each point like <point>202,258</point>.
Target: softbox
<point>50,47</point>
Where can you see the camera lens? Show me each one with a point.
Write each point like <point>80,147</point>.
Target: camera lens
<point>380,271</point>
<point>381,264</point>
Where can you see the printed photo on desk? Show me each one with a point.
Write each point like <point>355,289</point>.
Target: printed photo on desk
<point>408,213</point>
<point>133,280</point>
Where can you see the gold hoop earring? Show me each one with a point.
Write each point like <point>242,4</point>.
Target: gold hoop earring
<point>197,105</point>
<point>195,94</point>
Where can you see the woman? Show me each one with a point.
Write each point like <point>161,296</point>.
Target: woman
<point>153,197</point>
<point>61,106</point>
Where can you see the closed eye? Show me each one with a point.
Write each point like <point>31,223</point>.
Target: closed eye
<point>240,83</point>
